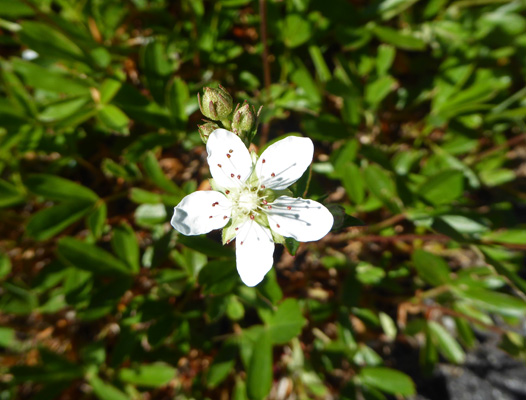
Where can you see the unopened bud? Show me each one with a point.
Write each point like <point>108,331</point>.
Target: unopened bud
<point>244,121</point>
<point>206,129</point>
<point>215,104</point>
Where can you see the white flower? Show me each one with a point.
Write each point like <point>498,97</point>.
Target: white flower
<point>251,203</point>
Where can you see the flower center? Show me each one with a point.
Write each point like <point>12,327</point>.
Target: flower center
<point>247,201</point>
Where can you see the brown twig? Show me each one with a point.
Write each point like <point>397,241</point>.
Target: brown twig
<point>266,66</point>
<point>509,143</point>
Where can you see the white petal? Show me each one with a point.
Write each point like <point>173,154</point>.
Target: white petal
<point>228,158</point>
<point>284,162</point>
<point>254,252</point>
<point>201,212</point>
<point>303,220</point>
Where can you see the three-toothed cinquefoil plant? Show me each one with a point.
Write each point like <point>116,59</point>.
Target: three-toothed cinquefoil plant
<point>250,199</point>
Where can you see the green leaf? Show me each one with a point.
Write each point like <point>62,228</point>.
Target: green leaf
<point>259,372</point>
<point>222,365</point>
<point>292,245</point>
<point>498,303</point>
<point>512,236</point>
<point>90,258</point>
<point>219,277</point>
<point>443,188</point>
<point>125,245</point>
<point>384,59</point>
<point>447,345</point>
<point>7,336</point>
<point>150,214</point>
<point>156,174</point>
<point>105,391</point>
<point>377,90</point>
<point>388,380</point>
<point>49,222</point>
<point>353,182</point>
<point>382,186</point>
<point>62,109</point>
<point>205,246</point>
<point>55,188</point>
<point>45,40</point>
<point>431,268</point>
<point>296,30</point>
<point>96,219</point>
<point>150,375</point>
<point>286,323</point>
<point>114,118</point>
<point>9,194</point>
<point>5,265</point>
<point>400,39</point>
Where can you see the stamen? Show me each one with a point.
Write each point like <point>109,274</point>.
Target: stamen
<point>239,177</point>
<point>278,226</point>
<point>230,151</point>
<point>225,217</point>
<point>227,191</point>
<point>231,175</point>
<point>228,155</point>
<point>241,243</point>
<point>273,174</point>
<point>264,201</point>
<point>289,208</point>
<point>219,165</point>
<point>269,207</point>
<point>237,229</point>
<point>263,161</point>
<point>262,186</point>
<point>251,216</point>
<point>210,217</point>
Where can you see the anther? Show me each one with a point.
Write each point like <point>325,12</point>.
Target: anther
<point>219,165</point>
<point>237,229</point>
<point>225,217</point>
<point>239,177</point>
<point>231,175</point>
<point>269,207</point>
<point>264,201</point>
<point>263,161</point>
<point>262,186</point>
<point>241,243</point>
<point>228,155</point>
<point>289,208</point>
<point>230,151</point>
<point>251,217</point>
<point>227,191</point>
<point>278,226</point>
<point>210,217</point>
<point>273,174</point>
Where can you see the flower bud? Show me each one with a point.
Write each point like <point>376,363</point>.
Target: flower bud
<point>215,104</point>
<point>206,129</point>
<point>244,121</point>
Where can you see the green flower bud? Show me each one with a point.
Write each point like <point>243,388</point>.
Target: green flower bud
<point>206,129</point>
<point>244,121</point>
<point>216,104</point>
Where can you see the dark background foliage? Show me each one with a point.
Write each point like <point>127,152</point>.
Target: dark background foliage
<point>417,109</point>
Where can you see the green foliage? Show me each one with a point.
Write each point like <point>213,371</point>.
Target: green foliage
<point>418,112</point>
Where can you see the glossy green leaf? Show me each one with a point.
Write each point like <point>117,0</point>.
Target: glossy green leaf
<point>105,391</point>
<point>125,245</point>
<point>431,268</point>
<point>9,194</point>
<point>51,221</point>
<point>148,375</point>
<point>259,373</point>
<point>400,39</point>
<point>286,323</point>
<point>296,30</point>
<point>443,188</point>
<point>57,188</point>
<point>447,345</point>
<point>90,258</point>
<point>388,380</point>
